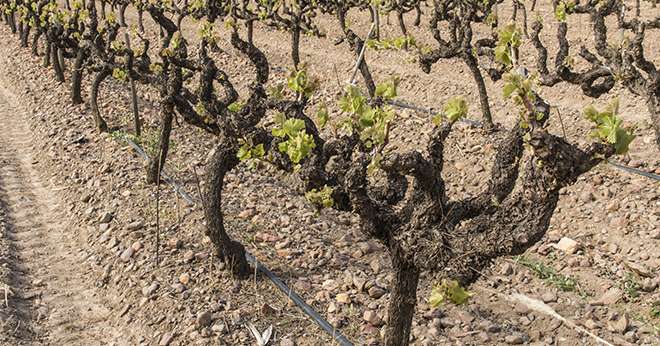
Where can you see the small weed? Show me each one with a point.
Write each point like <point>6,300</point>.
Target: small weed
<point>655,309</point>
<point>630,286</point>
<point>148,141</point>
<point>547,273</point>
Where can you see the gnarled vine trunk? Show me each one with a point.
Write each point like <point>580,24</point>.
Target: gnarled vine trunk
<point>57,63</point>
<point>77,75</point>
<point>101,125</point>
<point>158,161</point>
<point>403,299</point>
<point>230,251</point>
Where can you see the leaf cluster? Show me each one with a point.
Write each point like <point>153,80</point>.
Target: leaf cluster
<point>321,198</point>
<point>297,142</point>
<point>454,109</point>
<point>448,291</point>
<point>609,127</point>
<point>372,123</point>
<point>509,38</point>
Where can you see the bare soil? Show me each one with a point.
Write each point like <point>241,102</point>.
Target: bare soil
<point>49,296</point>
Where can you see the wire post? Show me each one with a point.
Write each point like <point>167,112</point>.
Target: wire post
<point>361,55</point>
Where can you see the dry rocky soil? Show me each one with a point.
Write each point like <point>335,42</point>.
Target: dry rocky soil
<point>79,263</point>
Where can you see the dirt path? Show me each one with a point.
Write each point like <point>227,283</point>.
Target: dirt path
<point>53,301</point>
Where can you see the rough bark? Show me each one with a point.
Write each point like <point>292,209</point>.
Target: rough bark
<point>295,46</point>
<point>76,76</point>
<point>401,308</point>
<point>158,161</point>
<point>101,125</point>
<point>471,62</point>
<point>230,251</point>
<point>57,66</point>
<point>25,34</point>
<point>35,43</point>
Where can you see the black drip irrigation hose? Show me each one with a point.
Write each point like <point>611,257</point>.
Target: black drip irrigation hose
<point>634,170</point>
<point>404,105</point>
<point>306,308</point>
<point>299,301</point>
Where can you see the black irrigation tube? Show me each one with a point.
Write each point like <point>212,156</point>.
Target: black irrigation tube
<point>306,308</point>
<point>299,301</point>
<point>614,164</point>
<point>634,170</point>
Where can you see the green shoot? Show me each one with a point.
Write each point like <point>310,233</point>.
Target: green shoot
<point>321,198</point>
<point>608,127</point>
<point>448,290</point>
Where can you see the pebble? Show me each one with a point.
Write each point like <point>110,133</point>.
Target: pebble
<point>507,269</point>
<point>465,317</point>
<point>447,322</point>
<point>332,307</point>
<point>366,247</point>
<point>179,288</point>
<point>649,285</point>
<point>372,317</point>
<point>567,245</point>
<point>620,325</point>
<point>204,319</point>
<point>343,298</point>
<point>587,197</point>
<point>85,198</point>
<point>174,243</point>
<point>612,296</point>
<point>359,283</point>
<point>376,292</point>
<point>127,254</point>
<point>549,297</point>
<point>189,256</point>
<point>330,285</point>
<point>247,213</point>
<point>166,339</point>
<point>134,226</point>
<point>375,265</point>
<point>612,206</point>
<point>639,269</point>
<point>302,285</point>
<point>267,310</point>
<point>591,324</point>
<point>514,339</point>
<point>106,217</point>
<point>219,328</point>
<point>613,248</point>
<point>631,336</point>
<point>435,332</point>
<point>151,289</point>
<point>488,326</point>
<point>521,309</point>
<point>287,342</point>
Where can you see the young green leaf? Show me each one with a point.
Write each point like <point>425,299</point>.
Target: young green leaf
<point>448,290</point>
<point>455,108</point>
<point>609,127</point>
<point>322,115</point>
<point>387,90</point>
<point>321,198</point>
